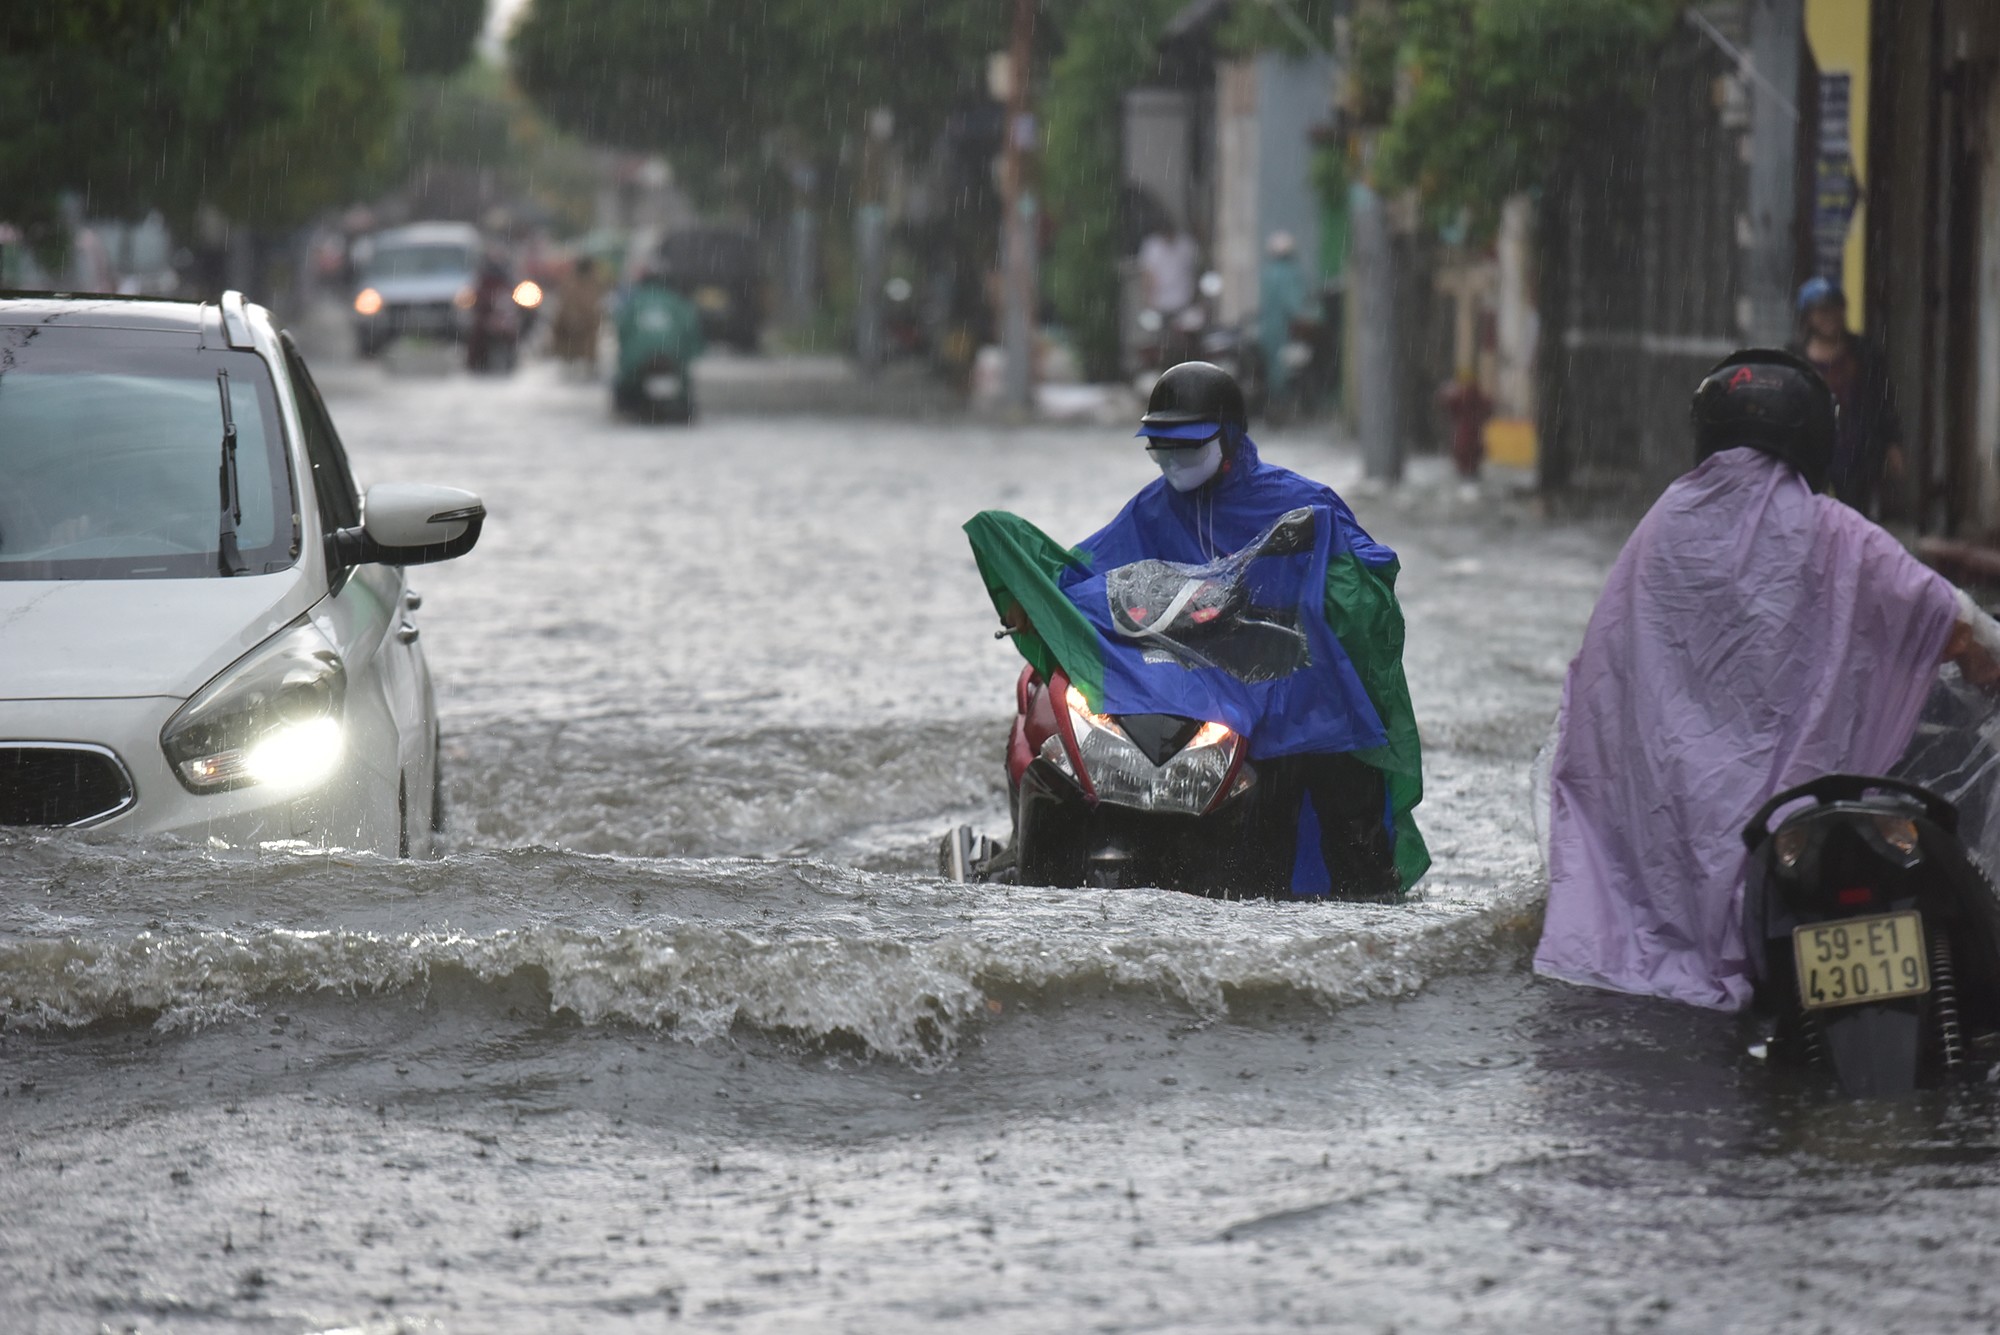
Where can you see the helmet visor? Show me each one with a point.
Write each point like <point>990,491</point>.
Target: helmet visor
<point>1178,435</point>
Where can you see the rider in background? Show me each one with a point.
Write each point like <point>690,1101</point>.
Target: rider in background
<point>656,320</point>
<point>1868,445</point>
<point>1753,634</point>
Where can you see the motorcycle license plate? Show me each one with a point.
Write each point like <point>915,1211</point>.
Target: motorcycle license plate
<point>662,386</point>
<point>1861,959</point>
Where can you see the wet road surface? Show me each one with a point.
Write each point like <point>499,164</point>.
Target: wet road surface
<point>683,1033</point>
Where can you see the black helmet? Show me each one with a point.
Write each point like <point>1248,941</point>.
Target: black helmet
<point>1195,392</point>
<point>1770,401</point>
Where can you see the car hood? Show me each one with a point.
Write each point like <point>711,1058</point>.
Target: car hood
<point>86,639</point>
<point>421,288</point>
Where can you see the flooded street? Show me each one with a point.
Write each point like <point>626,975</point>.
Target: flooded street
<point>683,1032</point>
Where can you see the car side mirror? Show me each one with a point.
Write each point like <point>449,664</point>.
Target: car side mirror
<point>408,524</point>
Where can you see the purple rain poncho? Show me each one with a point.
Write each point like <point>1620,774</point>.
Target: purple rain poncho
<point>1752,636</point>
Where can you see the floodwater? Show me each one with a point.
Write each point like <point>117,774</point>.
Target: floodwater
<point>683,1032</point>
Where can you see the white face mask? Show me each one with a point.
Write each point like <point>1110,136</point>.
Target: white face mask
<point>1185,470</point>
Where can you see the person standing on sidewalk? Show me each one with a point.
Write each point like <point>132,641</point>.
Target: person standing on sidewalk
<point>1868,447</point>
<point>1281,299</point>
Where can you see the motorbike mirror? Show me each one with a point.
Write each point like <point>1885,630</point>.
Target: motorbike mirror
<point>1211,284</point>
<point>411,523</point>
<point>1290,536</point>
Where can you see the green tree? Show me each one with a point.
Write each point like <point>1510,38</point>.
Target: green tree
<point>1502,92</point>
<point>711,82</point>
<point>269,110</point>
<point>1108,48</point>
<point>438,35</point>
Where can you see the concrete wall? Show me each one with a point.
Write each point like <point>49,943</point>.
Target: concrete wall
<point>1159,139</point>
<point>1266,109</point>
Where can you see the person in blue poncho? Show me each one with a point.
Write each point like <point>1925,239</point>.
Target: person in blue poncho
<point>1345,748</point>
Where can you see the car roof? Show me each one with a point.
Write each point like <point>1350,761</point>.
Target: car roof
<point>429,233</point>
<point>98,310</point>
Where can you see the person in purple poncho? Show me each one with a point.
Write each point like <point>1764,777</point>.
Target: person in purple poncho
<point>1752,635</point>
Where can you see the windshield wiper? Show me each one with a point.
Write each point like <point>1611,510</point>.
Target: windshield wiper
<point>229,558</point>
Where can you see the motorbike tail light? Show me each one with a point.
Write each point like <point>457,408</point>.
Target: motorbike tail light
<point>1855,896</point>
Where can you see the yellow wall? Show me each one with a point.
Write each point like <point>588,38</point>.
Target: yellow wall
<point>1838,33</point>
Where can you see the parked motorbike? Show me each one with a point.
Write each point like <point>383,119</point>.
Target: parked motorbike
<point>1873,935</point>
<point>1122,800</point>
<point>1197,333</point>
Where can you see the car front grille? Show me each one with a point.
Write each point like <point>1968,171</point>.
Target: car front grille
<point>424,316</point>
<point>60,783</point>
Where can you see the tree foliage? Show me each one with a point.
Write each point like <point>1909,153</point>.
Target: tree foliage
<point>438,35</point>
<point>1108,48</point>
<point>1500,92</point>
<point>708,81</point>
<point>476,125</point>
<point>268,110</point>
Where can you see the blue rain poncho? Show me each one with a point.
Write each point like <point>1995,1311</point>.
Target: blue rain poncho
<point>1347,695</point>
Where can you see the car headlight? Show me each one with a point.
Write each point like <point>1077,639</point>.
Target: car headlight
<point>1121,774</point>
<point>272,717</point>
<point>367,302</point>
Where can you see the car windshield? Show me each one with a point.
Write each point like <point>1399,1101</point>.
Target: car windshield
<point>111,447</point>
<point>432,261</point>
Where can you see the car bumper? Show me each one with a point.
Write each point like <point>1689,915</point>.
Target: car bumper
<point>346,810</point>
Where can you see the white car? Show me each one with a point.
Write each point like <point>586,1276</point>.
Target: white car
<point>204,630</point>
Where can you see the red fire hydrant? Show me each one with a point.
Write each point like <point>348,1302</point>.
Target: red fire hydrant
<point>1468,408</point>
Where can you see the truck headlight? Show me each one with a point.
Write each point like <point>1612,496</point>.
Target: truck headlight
<point>272,717</point>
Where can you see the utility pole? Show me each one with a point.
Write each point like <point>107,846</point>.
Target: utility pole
<point>1017,228</point>
<point>1371,285</point>
<point>1773,67</point>
<point>871,240</point>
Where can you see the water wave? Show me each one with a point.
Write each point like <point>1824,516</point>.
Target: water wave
<point>911,988</point>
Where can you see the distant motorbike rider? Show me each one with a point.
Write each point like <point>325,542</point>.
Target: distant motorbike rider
<point>1282,302</point>
<point>1214,497</point>
<point>657,326</point>
<point>489,342</point>
<point>1754,634</point>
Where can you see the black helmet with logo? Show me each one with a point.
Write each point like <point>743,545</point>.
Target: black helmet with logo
<point>1771,401</point>
<point>1195,392</point>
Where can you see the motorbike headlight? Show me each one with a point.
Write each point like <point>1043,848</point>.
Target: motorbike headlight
<point>367,302</point>
<point>527,294</point>
<point>464,298</point>
<point>1123,775</point>
<point>272,717</point>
